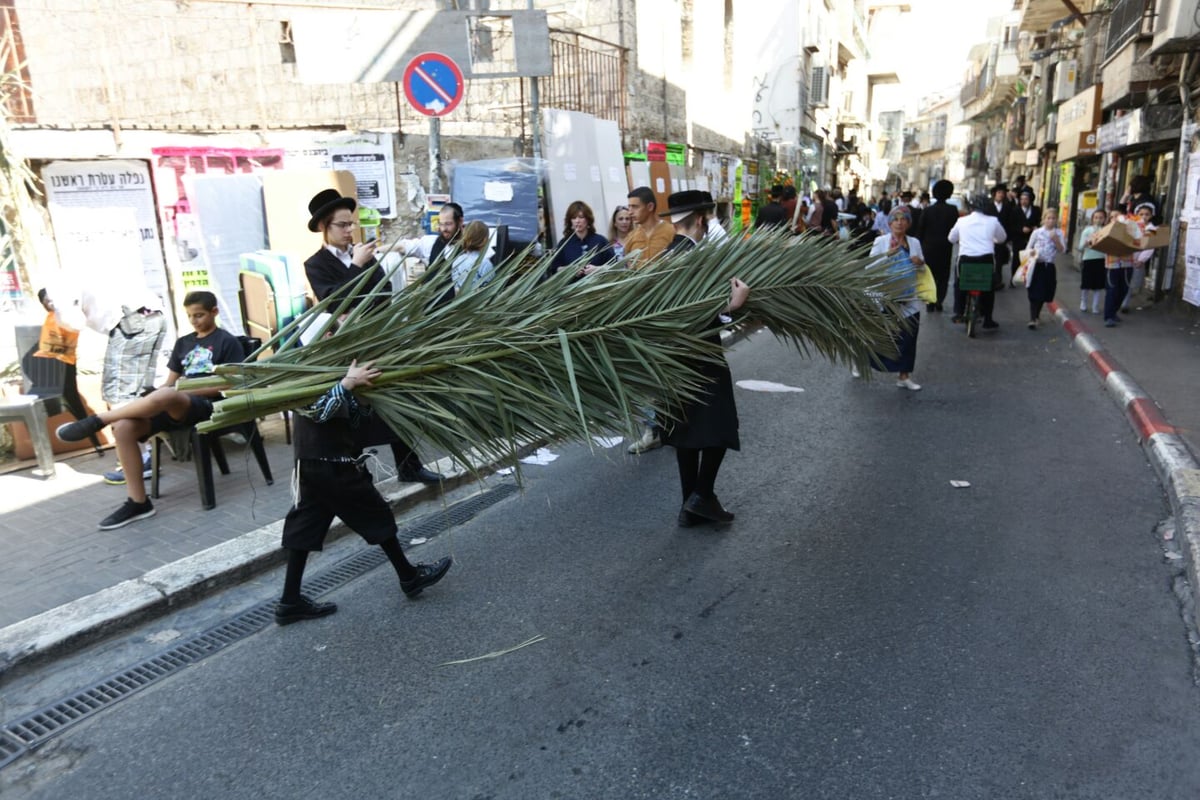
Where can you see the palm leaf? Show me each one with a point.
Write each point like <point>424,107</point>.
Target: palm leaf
<point>561,359</point>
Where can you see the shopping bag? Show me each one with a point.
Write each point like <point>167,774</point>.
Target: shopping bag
<point>926,288</point>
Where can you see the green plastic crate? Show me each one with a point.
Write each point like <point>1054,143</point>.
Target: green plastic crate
<point>975,277</point>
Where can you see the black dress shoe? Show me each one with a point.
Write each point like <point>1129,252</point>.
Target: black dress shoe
<point>287,613</point>
<point>689,520</point>
<point>427,575</point>
<point>420,475</point>
<point>707,507</point>
<point>990,325</point>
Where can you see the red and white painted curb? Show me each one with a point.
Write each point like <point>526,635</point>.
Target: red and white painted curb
<point>1177,468</point>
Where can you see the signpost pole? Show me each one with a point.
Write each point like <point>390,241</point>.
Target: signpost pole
<point>435,155</point>
<point>534,101</point>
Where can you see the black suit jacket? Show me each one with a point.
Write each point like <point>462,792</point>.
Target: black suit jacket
<point>326,275</point>
<point>772,214</point>
<point>1007,215</point>
<point>933,230</point>
<point>1017,235</point>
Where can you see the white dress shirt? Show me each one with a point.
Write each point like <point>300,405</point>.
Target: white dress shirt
<point>344,256</point>
<point>716,231</point>
<point>420,248</point>
<point>977,235</point>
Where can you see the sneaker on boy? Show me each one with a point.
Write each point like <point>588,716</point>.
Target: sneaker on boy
<point>129,512</point>
<point>116,477</point>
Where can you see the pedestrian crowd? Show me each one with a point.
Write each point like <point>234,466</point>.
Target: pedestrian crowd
<point>910,235</point>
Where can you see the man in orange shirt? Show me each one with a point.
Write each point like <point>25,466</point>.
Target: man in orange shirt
<point>650,235</point>
<point>649,238</point>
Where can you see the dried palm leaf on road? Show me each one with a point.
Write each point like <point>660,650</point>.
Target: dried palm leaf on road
<point>561,359</point>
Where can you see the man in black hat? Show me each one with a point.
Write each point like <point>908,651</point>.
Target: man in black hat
<point>688,211</point>
<point>704,429</point>
<point>341,262</point>
<point>1003,210</point>
<point>934,230</point>
<point>1027,218</point>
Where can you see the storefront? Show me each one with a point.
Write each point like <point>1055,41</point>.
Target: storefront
<point>1142,142</point>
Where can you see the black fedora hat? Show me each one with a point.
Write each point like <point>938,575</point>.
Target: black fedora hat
<point>326,202</point>
<point>682,204</point>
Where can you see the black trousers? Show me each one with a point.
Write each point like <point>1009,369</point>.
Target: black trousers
<point>1015,262</point>
<point>987,300</point>
<point>1003,255</point>
<point>329,489</point>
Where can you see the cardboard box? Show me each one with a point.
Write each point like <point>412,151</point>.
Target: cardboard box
<point>1120,239</point>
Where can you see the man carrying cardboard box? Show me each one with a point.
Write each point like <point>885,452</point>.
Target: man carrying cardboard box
<point>1128,243</point>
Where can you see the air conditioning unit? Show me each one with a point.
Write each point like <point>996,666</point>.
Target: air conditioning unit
<point>1065,77</point>
<point>819,87</point>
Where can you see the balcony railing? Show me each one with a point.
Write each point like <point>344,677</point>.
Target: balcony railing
<point>1126,21</point>
<point>589,76</point>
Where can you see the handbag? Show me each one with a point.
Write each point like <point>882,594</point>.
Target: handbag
<point>926,288</point>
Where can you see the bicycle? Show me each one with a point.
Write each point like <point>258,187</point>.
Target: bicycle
<point>974,279</point>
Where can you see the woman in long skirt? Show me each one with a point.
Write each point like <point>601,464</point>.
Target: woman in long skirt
<point>901,249</point>
<point>1091,265</point>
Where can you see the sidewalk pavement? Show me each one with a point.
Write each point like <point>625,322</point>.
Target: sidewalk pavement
<point>64,582</point>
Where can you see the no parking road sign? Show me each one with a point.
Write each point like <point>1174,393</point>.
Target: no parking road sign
<point>433,84</point>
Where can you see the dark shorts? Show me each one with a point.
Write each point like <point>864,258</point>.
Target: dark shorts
<point>331,489</point>
<point>199,410</point>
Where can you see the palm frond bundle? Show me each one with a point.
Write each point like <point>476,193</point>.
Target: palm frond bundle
<point>561,359</point>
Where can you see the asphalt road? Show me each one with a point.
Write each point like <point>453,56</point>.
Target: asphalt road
<point>863,630</point>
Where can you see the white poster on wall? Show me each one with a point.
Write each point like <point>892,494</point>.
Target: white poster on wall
<point>367,156</point>
<point>1191,281</point>
<point>569,149</point>
<point>76,194</point>
<point>1191,204</point>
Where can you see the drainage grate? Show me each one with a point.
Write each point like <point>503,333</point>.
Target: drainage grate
<point>10,749</point>
<point>22,735</point>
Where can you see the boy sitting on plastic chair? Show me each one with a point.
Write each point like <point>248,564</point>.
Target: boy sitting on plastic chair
<point>167,408</point>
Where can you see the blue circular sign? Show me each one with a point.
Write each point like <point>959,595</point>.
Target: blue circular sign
<point>433,84</point>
